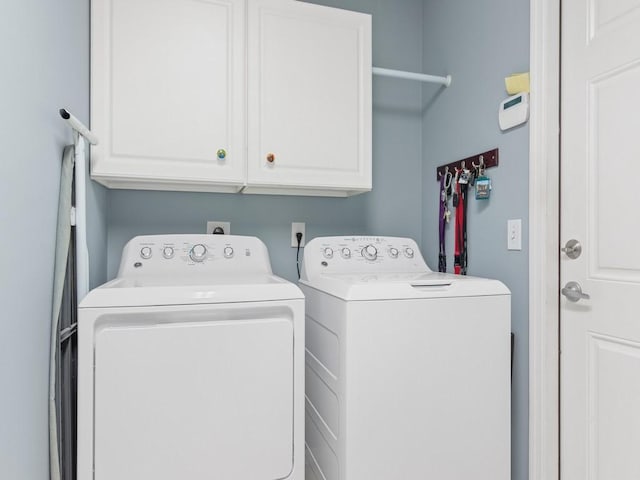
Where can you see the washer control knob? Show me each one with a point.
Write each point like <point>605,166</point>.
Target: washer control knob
<point>198,253</point>
<point>168,252</point>
<point>346,253</point>
<point>328,252</point>
<point>146,252</point>
<point>393,252</point>
<point>408,252</point>
<point>370,252</point>
<point>228,252</point>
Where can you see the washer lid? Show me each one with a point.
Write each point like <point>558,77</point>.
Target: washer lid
<point>190,290</point>
<point>404,286</point>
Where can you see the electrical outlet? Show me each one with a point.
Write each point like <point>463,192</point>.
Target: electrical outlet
<point>514,234</point>
<point>295,228</point>
<point>212,225</point>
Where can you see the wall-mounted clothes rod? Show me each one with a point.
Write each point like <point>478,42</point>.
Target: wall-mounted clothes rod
<point>421,77</point>
<point>485,160</point>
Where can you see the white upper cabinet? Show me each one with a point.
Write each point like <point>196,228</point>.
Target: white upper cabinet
<point>173,81</point>
<point>309,99</point>
<point>167,94</point>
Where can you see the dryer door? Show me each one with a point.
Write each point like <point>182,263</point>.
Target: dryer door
<point>195,393</point>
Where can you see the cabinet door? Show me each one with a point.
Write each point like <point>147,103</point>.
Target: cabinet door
<point>168,93</point>
<point>309,77</point>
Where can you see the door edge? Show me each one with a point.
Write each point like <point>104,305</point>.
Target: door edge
<point>544,205</point>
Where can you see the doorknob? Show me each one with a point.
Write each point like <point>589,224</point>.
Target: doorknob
<point>573,292</point>
<point>572,249</point>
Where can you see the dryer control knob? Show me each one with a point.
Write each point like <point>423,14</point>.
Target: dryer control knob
<point>370,252</point>
<point>408,252</point>
<point>346,253</point>
<point>168,252</point>
<point>393,252</point>
<point>328,252</point>
<point>146,252</point>
<point>228,252</point>
<point>198,253</point>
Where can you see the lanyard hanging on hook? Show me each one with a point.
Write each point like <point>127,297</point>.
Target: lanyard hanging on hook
<point>444,214</point>
<point>460,202</point>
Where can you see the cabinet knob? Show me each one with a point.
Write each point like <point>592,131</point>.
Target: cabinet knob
<point>271,157</point>
<point>221,154</point>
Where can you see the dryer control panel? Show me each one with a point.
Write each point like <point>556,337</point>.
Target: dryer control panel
<point>361,254</point>
<point>185,254</point>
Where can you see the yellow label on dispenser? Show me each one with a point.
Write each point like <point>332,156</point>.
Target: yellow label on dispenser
<point>517,83</point>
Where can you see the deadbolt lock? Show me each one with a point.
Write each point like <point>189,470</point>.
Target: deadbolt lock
<point>572,249</point>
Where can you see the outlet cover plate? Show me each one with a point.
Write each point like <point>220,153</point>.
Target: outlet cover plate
<point>226,226</point>
<point>295,228</point>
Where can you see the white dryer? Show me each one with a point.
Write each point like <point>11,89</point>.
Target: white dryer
<point>407,371</point>
<point>190,365</point>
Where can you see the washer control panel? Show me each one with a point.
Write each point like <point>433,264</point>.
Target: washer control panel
<point>163,254</point>
<point>362,254</point>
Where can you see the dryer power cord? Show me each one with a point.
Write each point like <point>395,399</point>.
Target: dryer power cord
<point>299,238</point>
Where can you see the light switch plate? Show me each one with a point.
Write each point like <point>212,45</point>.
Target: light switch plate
<point>514,234</point>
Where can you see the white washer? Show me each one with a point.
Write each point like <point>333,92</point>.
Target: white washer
<point>190,365</point>
<point>407,371</point>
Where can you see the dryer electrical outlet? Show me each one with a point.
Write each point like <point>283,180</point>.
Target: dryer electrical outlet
<point>298,227</point>
<point>225,226</point>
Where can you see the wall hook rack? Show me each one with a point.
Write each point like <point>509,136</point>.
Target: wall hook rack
<point>483,160</point>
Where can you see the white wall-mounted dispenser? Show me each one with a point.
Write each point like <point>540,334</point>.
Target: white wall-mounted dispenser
<point>513,111</point>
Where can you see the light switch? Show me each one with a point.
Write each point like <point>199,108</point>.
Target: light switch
<point>514,234</point>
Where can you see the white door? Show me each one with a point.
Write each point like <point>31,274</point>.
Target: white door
<point>167,93</point>
<point>309,77</point>
<point>600,335</point>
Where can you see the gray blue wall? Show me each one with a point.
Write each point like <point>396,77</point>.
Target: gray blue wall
<point>45,50</point>
<point>44,47</point>
<point>394,207</point>
<point>479,43</point>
